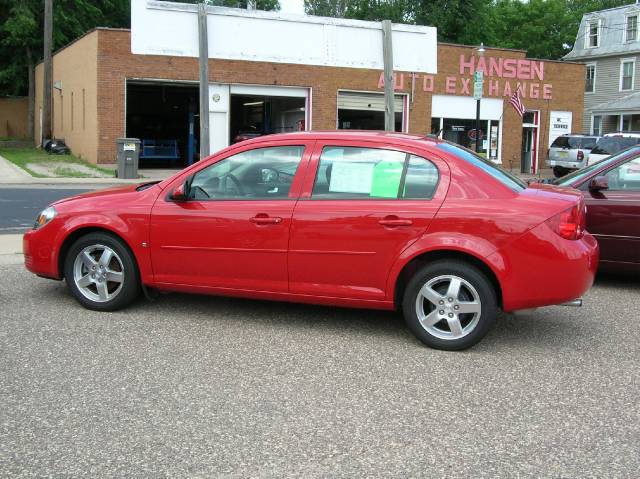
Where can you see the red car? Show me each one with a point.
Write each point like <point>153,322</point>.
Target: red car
<point>611,189</point>
<point>361,219</point>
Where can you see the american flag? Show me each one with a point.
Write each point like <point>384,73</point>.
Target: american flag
<point>517,102</point>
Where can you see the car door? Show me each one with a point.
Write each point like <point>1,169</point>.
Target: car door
<point>361,206</point>
<point>613,214</point>
<point>233,230</point>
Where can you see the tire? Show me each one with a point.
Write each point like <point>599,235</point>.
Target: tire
<point>101,272</point>
<point>442,325</point>
<point>559,172</point>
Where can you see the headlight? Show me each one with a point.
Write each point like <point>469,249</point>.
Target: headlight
<point>44,217</point>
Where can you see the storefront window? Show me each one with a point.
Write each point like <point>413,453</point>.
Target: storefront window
<point>463,132</point>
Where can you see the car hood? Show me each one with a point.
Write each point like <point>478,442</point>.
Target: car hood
<point>115,190</point>
<point>546,190</point>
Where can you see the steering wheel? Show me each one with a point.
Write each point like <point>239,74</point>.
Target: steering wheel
<point>234,180</point>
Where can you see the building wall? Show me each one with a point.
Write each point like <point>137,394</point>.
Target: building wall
<point>607,86</point>
<point>116,64</point>
<point>13,117</point>
<point>75,110</point>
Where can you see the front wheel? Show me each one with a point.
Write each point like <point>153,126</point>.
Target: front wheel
<point>101,272</point>
<point>449,305</point>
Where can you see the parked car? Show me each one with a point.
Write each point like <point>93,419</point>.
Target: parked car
<point>570,152</point>
<point>612,143</point>
<point>360,219</point>
<point>611,189</point>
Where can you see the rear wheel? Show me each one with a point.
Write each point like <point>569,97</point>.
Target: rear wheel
<point>101,273</point>
<point>559,171</point>
<point>449,305</point>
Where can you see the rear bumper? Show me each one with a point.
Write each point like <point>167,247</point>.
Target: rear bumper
<point>569,165</point>
<point>542,269</point>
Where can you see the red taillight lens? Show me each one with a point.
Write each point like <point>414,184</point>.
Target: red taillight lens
<point>570,224</point>
<point>580,155</point>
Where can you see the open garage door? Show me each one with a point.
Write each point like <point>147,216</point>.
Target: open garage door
<point>164,116</point>
<point>263,110</point>
<point>365,111</point>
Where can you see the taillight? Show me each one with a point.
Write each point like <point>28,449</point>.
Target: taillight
<point>580,155</point>
<point>570,224</point>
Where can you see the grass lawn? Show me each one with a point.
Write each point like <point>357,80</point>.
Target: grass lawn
<point>60,165</point>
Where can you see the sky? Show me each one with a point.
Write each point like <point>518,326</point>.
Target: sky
<point>292,6</point>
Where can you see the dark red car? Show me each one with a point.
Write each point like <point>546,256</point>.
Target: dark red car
<point>361,219</point>
<point>611,189</point>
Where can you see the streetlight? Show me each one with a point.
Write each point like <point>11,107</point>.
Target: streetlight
<point>477,93</point>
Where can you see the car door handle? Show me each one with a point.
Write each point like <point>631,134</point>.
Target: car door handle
<point>266,220</point>
<point>395,221</point>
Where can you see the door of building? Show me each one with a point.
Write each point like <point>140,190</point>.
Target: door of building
<point>529,156</point>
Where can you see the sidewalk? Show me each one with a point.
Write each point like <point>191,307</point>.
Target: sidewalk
<point>11,174</point>
<point>11,249</point>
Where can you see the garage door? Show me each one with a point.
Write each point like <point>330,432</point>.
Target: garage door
<point>366,101</point>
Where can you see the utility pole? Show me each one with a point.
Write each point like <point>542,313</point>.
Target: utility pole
<point>203,41</point>
<point>47,87</point>
<point>387,54</point>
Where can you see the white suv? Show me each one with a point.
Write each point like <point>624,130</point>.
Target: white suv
<point>570,152</point>
<point>612,143</point>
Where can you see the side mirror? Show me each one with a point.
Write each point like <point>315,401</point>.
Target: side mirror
<point>181,192</point>
<point>599,183</point>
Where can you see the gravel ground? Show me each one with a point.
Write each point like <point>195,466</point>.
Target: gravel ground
<point>201,386</point>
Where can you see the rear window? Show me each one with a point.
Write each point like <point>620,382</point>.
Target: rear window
<point>574,142</point>
<point>609,145</point>
<point>487,166</point>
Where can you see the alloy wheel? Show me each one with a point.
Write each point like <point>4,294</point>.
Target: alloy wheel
<point>98,273</point>
<point>448,307</point>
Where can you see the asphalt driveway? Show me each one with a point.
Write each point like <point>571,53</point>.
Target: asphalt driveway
<point>202,386</point>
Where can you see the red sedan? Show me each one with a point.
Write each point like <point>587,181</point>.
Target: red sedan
<point>612,193</point>
<point>359,219</point>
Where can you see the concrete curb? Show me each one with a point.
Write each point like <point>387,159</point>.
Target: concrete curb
<point>11,249</point>
<point>11,174</point>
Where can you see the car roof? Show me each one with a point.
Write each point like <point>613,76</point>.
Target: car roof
<point>624,134</point>
<point>355,135</point>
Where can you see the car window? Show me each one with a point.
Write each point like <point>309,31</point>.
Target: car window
<point>609,145</point>
<point>358,173</point>
<point>421,179</point>
<point>587,143</point>
<point>625,176</point>
<point>262,173</point>
<point>579,175</point>
<point>487,166</point>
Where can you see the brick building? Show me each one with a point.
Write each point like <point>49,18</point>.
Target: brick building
<point>103,91</point>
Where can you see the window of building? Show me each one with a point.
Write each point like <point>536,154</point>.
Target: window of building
<point>625,122</point>
<point>263,173</point>
<point>463,132</point>
<point>596,128</point>
<point>631,30</point>
<point>371,173</point>
<point>590,79</point>
<point>365,111</point>
<point>627,73</point>
<point>593,34</point>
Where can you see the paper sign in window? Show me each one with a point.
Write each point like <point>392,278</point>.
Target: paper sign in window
<point>386,179</point>
<point>351,177</point>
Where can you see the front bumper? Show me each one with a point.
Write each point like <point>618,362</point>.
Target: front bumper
<point>39,257</point>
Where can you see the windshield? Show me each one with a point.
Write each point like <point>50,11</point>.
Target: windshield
<point>609,145</point>
<point>489,167</point>
<point>583,173</point>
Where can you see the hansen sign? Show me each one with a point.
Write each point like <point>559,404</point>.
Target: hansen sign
<point>502,77</point>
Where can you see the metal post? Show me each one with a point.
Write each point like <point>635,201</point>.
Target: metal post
<point>478,125</point>
<point>203,43</point>
<point>387,53</point>
<point>47,88</point>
